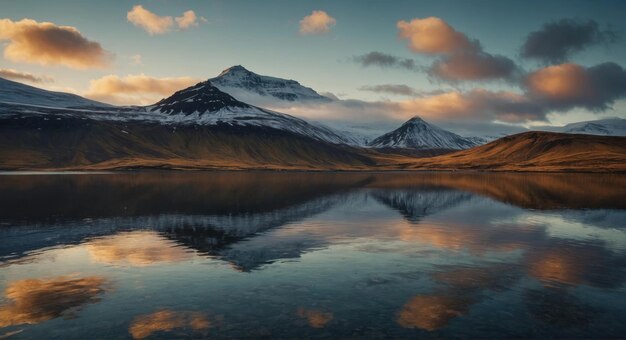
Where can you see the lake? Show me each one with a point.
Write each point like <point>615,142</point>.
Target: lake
<point>320,255</point>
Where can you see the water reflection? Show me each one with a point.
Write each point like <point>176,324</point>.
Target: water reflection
<point>315,318</point>
<point>136,248</point>
<point>32,301</point>
<point>567,263</point>
<point>168,320</point>
<point>431,312</point>
<point>313,255</point>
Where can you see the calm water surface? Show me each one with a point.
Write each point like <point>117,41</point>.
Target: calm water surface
<point>285,255</point>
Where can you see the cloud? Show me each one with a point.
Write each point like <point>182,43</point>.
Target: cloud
<point>155,24</point>
<point>319,22</point>
<point>556,41</point>
<point>136,89</point>
<point>432,36</point>
<point>137,59</point>
<point>473,65</point>
<point>148,21</point>
<point>385,61</point>
<point>188,19</point>
<point>478,104</point>
<point>396,89</point>
<point>459,58</point>
<point>565,86</point>
<point>12,74</point>
<point>45,43</point>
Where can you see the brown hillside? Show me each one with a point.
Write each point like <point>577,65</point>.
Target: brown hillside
<point>536,151</point>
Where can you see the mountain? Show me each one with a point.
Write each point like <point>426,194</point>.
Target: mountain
<point>198,127</point>
<point>205,104</point>
<point>604,127</point>
<point>246,85</point>
<point>536,151</point>
<point>14,92</point>
<point>418,134</point>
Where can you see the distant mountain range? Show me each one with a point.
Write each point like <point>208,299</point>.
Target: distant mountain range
<point>205,127</point>
<point>600,127</point>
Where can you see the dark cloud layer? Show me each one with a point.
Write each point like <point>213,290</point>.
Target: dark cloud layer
<point>557,40</point>
<point>385,60</point>
<point>473,65</point>
<point>397,89</point>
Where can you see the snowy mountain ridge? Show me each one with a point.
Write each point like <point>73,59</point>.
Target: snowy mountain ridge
<point>603,127</point>
<point>17,93</point>
<point>418,134</point>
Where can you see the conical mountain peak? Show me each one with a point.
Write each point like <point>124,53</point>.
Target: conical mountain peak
<point>202,97</point>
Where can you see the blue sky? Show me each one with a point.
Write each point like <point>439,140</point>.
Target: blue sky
<point>264,37</point>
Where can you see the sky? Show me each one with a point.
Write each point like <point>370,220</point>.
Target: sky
<point>458,63</point>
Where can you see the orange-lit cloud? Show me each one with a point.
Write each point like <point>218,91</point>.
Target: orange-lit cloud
<point>432,35</point>
<point>431,312</point>
<point>187,20</point>
<point>564,86</point>
<point>167,320</point>
<point>155,24</point>
<point>45,43</point>
<point>148,21</point>
<point>33,301</point>
<point>136,89</point>
<point>318,22</point>
<point>461,59</point>
<point>559,82</point>
<point>478,103</point>
<point>12,74</point>
<point>315,318</point>
<point>137,248</point>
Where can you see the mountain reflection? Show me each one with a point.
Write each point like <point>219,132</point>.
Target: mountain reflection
<point>358,254</point>
<point>32,301</point>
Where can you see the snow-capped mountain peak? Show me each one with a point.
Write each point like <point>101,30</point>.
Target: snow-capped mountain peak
<point>205,104</point>
<point>245,85</point>
<point>418,134</point>
<point>200,98</point>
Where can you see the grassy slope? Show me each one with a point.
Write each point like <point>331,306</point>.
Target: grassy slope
<point>536,151</point>
<point>70,144</point>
